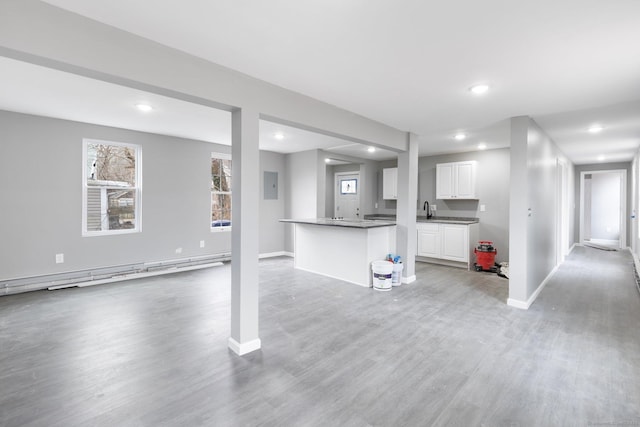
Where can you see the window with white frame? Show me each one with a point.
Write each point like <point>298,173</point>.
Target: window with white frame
<point>111,188</point>
<point>220,191</point>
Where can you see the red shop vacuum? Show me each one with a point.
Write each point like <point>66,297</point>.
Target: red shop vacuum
<point>485,257</point>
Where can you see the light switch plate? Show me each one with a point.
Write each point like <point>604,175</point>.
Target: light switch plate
<point>202,243</point>
<point>483,208</point>
<point>59,258</point>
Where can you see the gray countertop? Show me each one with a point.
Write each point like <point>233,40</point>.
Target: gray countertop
<point>350,223</point>
<point>422,218</point>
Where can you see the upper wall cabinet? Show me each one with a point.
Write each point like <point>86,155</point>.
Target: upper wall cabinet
<point>390,183</point>
<point>456,180</point>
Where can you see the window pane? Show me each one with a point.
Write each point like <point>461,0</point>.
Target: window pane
<point>112,163</point>
<point>220,210</point>
<point>121,209</point>
<point>220,190</point>
<point>225,183</point>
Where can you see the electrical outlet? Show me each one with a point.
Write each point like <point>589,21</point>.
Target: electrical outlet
<point>179,250</point>
<point>59,258</point>
<point>202,243</point>
<point>433,208</point>
<point>483,208</point>
<point>376,205</point>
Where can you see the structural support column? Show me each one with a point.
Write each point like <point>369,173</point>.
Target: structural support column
<point>519,213</point>
<point>406,235</point>
<point>244,232</point>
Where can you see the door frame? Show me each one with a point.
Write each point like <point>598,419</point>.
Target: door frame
<point>623,203</point>
<point>563,211</point>
<point>336,190</point>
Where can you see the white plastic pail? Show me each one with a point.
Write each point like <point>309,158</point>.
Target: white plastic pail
<point>382,273</point>
<point>396,277</point>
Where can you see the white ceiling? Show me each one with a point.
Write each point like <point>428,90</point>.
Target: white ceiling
<point>32,89</point>
<point>409,64</point>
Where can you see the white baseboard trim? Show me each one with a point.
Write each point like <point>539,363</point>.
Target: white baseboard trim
<point>244,348</point>
<point>131,276</point>
<point>409,279</point>
<point>518,304</point>
<point>274,254</point>
<point>526,304</point>
<point>367,285</point>
<point>572,248</point>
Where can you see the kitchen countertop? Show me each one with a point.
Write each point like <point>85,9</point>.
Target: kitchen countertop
<point>350,223</point>
<point>422,218</point>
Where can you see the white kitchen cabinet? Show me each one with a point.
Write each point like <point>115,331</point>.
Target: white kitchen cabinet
<point>456,180</point>
<point>446,243</point>
<point>390,183</point>
<point>455,242</point>
<point>428,240</point>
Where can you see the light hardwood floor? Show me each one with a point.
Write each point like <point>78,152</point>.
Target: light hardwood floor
<point>444,351</point>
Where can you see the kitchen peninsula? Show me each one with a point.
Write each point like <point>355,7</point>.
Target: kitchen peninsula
<point>342,248</point>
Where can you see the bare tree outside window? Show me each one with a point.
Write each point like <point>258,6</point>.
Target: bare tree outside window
<point>111,187</point>
<point>220,190</point>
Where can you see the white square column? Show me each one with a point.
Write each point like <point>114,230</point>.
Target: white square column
<point>406,233</point>
<point>244,231</point>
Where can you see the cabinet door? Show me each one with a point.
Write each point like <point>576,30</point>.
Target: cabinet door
<point>455,242</point>
<point>465,180</point>
<point>445,181</point>
<point>390,183</point>
<point>428,240</point>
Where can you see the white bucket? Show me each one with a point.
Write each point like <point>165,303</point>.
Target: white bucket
<point>382,272</point>
<point>396,276</point>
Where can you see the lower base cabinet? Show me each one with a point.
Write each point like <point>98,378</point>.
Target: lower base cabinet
<point>449,242</point>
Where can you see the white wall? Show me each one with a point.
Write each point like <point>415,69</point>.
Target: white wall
<point>493,169</point>
<point>272,236</point>
<point>42,199</point>
<point>41,184</point>
<point>534,217</point>
<point>493,192</point>
<point>301,189</point>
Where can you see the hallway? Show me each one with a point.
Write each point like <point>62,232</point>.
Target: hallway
<point>445,350</point>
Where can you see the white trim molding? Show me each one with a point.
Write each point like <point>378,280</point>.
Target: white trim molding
<point>409,279</point>
<point>244,348</point>
<point>275,254</point>
<point>526,304</point>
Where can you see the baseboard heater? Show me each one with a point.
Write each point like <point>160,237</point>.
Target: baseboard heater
<point>102,275</point>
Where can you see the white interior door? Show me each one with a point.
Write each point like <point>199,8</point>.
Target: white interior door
<point>603,207</point>
<point>347,195</point>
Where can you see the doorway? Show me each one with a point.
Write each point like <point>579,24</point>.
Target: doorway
<point>602,208</point>
<point>347,195</point>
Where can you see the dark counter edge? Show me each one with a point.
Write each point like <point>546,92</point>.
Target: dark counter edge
<point>341,223</point>
<point>420,218</point>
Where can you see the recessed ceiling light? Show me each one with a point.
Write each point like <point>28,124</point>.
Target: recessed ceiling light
<point>479,89</point>
<point>460,136</point>
<point>371,149</point>
<point>601,158</point>
<point>327,160</point>
<point>595,129</point>
<point>279,136</point>
<point>144,107</point>
<point>482,146</point>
